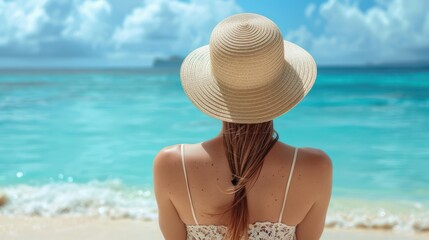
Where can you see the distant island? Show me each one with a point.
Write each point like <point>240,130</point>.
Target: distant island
<point>171,62</point>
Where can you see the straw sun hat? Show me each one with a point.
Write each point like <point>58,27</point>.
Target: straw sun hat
<point>247,73</point>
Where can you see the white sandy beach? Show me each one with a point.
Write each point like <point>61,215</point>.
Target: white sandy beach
<point>65,228</point>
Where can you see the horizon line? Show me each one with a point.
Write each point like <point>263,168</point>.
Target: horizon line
<point>151,68</point>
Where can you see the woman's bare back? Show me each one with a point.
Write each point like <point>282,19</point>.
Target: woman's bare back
<point>209,175</point>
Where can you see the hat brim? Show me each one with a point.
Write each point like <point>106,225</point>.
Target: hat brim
<point>251,105</point>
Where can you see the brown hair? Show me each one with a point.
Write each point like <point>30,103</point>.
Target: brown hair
<point>246,146</point>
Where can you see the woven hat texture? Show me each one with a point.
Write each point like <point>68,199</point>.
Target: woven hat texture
<point>247,73</point>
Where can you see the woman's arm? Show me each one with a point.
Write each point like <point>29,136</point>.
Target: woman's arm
<point>164,173</point>
<point>311,228</point>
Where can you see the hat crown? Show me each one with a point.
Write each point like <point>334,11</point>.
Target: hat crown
<point>246,51</point>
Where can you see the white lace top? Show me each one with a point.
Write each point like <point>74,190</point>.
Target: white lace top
<point>256,231</point>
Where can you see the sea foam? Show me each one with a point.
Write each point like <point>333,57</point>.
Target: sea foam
<point>397,215</point>
<point>106,199</point>
<point>112,199</point>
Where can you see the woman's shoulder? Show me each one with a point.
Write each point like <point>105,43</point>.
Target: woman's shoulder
<point>315,167</point>
<point>166,161</point>
<point>169,151</point>
<point>315,157</point>
<point>308,156</point>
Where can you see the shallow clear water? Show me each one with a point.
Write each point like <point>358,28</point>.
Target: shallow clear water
<point>75,127</point>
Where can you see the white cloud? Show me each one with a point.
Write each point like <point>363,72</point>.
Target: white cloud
<point>52,28</point>
<point>89,22</point>
<point>166,26</point>
<point>388,32</point>
<point>107,28</point>
<point>310,9</point>
<point>20,19</point>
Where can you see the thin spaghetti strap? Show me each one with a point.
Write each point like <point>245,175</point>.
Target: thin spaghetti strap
<point>187,185</point>
<point>288,183</point>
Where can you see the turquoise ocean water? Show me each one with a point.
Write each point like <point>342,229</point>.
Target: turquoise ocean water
<point>82,142</point>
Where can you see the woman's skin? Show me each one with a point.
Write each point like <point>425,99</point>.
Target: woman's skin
<point>209,175</point>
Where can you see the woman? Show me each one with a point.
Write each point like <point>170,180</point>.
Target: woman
<point>244,183</point>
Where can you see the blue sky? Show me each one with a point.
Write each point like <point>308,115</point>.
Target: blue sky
<point>106,33</point>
